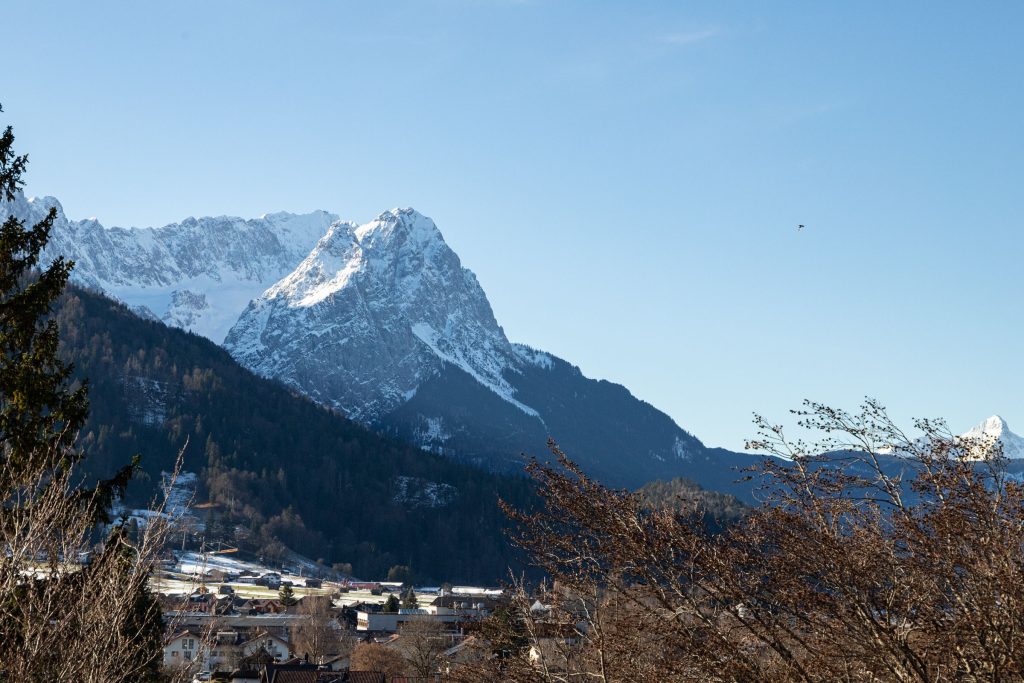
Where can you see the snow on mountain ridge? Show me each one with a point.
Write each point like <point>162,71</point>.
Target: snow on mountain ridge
<point>404,222</point>
<point>323,271</point>
<point>978,443</point>
<point>197,274</point>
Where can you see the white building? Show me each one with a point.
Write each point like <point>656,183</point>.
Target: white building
<point>276,646</point>
<point>221,651</point>
<point>184,650</point>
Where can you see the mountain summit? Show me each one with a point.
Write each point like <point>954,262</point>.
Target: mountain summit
<point>370,314</point>
<point>382,322</point>
<point>996,430</point>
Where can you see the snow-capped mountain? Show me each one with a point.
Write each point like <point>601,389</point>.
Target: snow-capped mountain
<point>990,436</point>
<point>383,323</point>
<point>994,430</point>
<point>371,313</point>
<point>198,274</point>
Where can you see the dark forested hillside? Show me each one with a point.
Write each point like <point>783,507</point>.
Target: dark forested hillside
<point>719,509</point>
<point>284,470</point>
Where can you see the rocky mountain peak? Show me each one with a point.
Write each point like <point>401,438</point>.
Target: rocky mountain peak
<point>325,270</point>
<point>197,274</point>
<point>387,300</point>
<point>994,425</point>
<point>31,209</point>
<point>399,228</point>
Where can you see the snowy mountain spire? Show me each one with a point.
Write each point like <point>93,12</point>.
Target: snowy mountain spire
<point>996,429</point>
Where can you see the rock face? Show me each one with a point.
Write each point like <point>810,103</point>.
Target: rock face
<point>383,323</point>
<point>371,314</point>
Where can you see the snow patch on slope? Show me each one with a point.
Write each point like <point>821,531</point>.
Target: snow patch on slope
<point>679,449</point>
<point>492,380</point>
<point>532,356</point>
<point>416,492</point>
<point>431,435</point>
<point>179,492</point>
<point>147,399</point>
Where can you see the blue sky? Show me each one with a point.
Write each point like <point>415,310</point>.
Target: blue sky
<point>624,178</point>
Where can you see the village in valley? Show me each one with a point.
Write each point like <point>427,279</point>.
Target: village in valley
<point>231,617</point>
<point>233,620</point>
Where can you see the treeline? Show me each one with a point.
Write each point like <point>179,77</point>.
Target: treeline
<point>283,470</point>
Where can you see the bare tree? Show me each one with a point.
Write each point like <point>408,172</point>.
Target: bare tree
<point>877,557</point>
<point>421,643</point>
<point>72,609</point>
<point>318,634</point>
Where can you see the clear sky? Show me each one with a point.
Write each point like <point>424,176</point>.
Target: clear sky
<point>624,178</point>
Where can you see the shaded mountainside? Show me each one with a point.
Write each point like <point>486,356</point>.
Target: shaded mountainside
<point>617,438</point>
<point>284,469</point>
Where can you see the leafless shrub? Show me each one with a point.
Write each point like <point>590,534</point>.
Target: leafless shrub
<point>74,601</point>
<point>379,658</point>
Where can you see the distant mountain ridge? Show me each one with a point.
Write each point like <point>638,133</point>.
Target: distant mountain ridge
<point>381,322</point>
<point>991,436</point>
<point>198,274</point>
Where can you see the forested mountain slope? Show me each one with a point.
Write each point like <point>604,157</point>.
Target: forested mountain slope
<point>283,469</point>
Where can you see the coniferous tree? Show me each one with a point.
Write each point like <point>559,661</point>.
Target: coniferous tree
<point>391,604</point>
<point>58,620</point>
<point>286,595</point>
<point>38,413</point>
<point>409,600</point>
